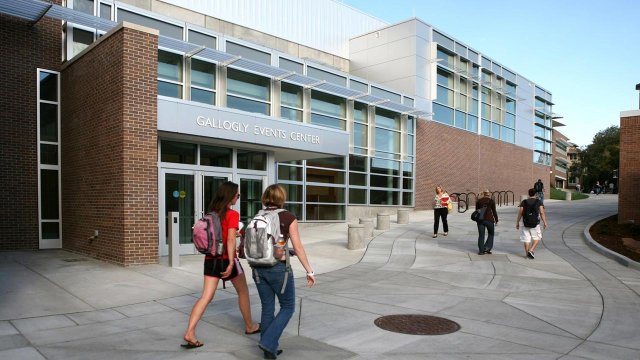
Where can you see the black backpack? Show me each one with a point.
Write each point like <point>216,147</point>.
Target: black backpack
<point>530,213</point>
<point>537,186</point>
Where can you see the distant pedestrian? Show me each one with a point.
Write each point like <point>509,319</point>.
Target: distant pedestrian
<point>277,281</point>
<point>597,188</point>
<point>531,211</point>
<point>226,268</point>
<point>539,187</point>
<point>611,187</point>
<point>440,210</point>
<point>489,222</point>
<point>578,187</point>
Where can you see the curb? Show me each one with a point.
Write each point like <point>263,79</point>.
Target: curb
<point>621,259</point>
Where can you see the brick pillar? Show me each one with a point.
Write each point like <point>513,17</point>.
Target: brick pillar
<point>629,172</point>
<point>109,148</point>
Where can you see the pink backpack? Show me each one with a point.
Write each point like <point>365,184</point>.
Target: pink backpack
<point>207,235</point>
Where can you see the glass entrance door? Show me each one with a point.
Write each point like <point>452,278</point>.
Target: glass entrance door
<point>189,193</point>
<point>251,188</point>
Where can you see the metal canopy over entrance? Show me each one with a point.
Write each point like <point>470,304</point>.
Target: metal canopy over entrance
<point>34,10</point>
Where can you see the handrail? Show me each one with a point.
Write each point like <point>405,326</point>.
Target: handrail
<point>499,197</point>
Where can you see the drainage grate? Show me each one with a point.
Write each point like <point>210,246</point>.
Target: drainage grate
<point>417,324</point>
<point>73,260</point>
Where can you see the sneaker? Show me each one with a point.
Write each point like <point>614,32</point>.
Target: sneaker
<point>445,234</point>
<point>480,252</point>
<point>488,251</point>
<point>530,255</point>
<point>435,236</point>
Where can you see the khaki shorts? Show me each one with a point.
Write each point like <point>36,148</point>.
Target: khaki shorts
<point>528,234</point>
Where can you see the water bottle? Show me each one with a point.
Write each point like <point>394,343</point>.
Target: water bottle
<point>219,247</point>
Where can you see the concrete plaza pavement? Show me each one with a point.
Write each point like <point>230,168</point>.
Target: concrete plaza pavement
<point>571,302</point>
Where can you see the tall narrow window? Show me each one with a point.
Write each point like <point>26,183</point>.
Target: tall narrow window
<point>291,102</point>
<point>248,92</point>
<point>49,159</point>
<point>169,74</point>
<point>203,82</point>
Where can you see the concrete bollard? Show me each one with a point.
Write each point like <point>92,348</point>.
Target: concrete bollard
<point>383,222</point>
<point>355,237</point>
<point>403,216</point>
<point>368,227</point>
<point>567,195</point>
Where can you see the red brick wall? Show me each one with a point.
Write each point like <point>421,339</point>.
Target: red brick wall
<point>629,173</point>
<point>24,48</point>
<point>461,161</point>
<point>109,158</point>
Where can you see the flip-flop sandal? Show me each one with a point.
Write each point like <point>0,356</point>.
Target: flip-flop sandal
<point>256,331</point>
<point>192,344</point>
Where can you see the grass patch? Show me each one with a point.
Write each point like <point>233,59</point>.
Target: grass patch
<point>558,194</point>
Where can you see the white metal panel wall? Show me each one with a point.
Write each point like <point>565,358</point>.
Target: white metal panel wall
<point>326,25</point>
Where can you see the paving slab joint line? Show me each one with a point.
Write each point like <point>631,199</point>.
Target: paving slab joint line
<point>621,259</point>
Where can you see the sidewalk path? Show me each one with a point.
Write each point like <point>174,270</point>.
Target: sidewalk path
<point>569,303</point>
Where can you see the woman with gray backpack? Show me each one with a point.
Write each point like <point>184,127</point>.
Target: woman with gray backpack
<point>266,251</point>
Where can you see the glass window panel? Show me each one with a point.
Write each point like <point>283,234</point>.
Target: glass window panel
<point>291,114</point>
<point>169,89</point>
<point>203,74</point>
<point>461,104</point>
<point>325,176</point>
<point>215,156</point>
<point>48,154</point>
<point>291,65</point>
<point>410,124</point>
<point>325,194</point>
<point>382,197</point>
<point>48,122</point>
<point>445,78</point>
<point>165,28</point>
<point>360,151</point>
<point>495,130</point>
<point>444,96</point>
<point>407,170</point>
<point>463,85</point>
<point>387,140</point>
<point>249,53</point>
<point>178,152</point>
<point>203,96</point>
<point>387,119</point>
<point>510,120</point>
<point>328,104</point>
<point>460,120</point>
<point>410,143</point>
<point>474,91</point>
<point>291,95</point>
<point>48,86</point>
<point>357,179</point>
<point>442,39</point>
<point>447,59</point>
<point>357,163</point>
<point>81,40</point>
<point>359,86</point>
<point>385,94</point>
<point>294,193</point>
<point>474,107</point>
<point>325,75</point>
<point>383,166</point>
<point>49,194</point>
<point>201,39</point>
<point>408,101</point>
<point>291,173</point>
<point>472,123</point>
<point>539,132</point>
<point>252,160</point>
<point>510,105</point>
<point>407,198</point>
<point>486,111</point>
<point>50,230</point>
<point>392,182</point>
<point>357,196</point>
<point>360,134</point>
<point>85,6</point>
<point>325,212</point>
<point>496,114</point>
<point>332,162</point>
<point>105,11</point>
<point>248,105</point>
<point>407,184</point>
<point>443,114</point>
<point>169,66</point>
<point>361,112</point>
<point>486,128</point>
<point>249,85</point>
<point>328,121</point>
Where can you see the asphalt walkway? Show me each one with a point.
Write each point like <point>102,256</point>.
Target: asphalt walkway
<point>571,302</point>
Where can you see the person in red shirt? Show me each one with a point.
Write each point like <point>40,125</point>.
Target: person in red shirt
<point>226,268</point>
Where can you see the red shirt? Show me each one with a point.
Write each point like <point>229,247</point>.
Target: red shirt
<point>230,221</point>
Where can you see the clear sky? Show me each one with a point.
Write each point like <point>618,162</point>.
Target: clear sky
<point>585,52</point>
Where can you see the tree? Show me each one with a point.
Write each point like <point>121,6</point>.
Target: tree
<point>597,161</point>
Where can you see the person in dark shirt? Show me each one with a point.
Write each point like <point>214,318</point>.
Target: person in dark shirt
<point>488,223</point>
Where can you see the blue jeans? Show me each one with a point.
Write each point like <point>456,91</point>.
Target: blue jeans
<point>482,246</point>
<point>269,284</point>
<point>540,195</point>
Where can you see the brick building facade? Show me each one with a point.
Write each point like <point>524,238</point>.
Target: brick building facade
<point>629,173</point>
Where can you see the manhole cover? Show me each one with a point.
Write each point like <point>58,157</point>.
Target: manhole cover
<point>417,324</point>
<point>74,260</point>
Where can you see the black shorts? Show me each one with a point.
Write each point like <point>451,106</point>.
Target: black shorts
<point>214,267</point>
